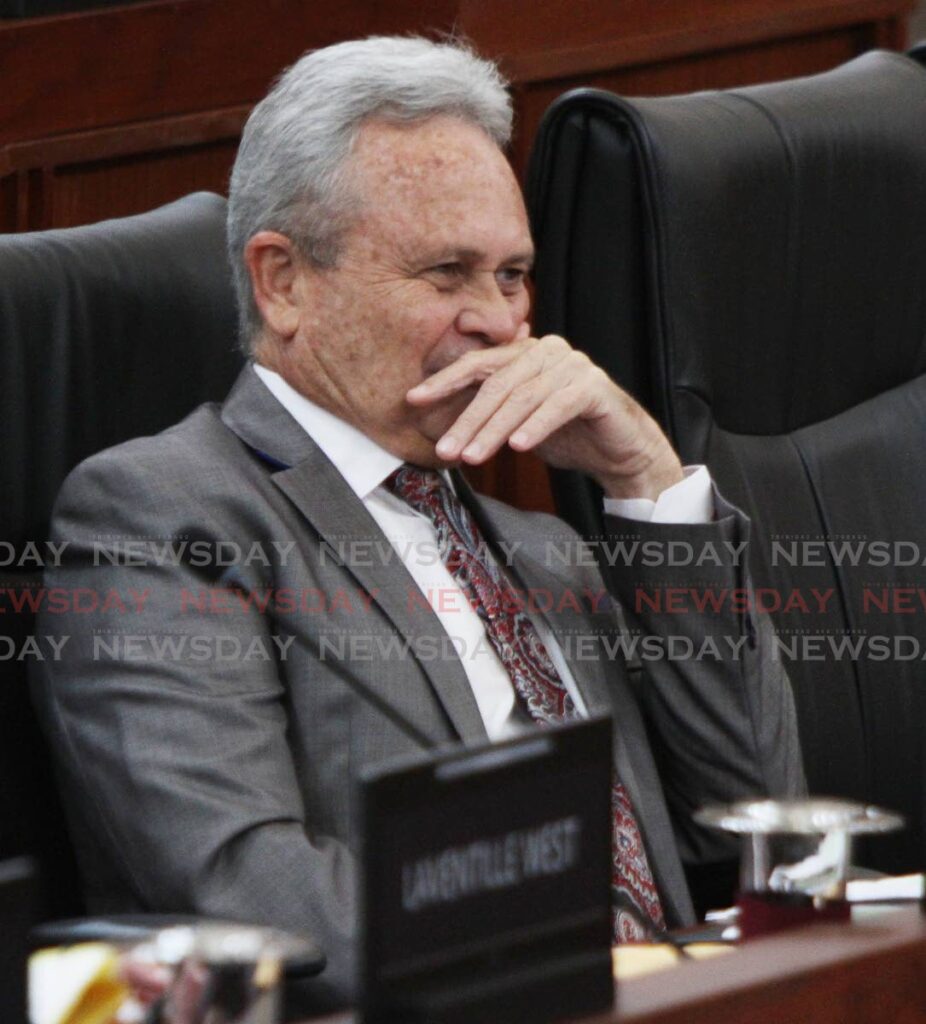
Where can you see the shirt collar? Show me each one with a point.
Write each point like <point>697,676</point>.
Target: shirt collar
<point>360,460</point>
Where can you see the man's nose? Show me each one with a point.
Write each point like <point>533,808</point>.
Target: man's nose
<point>488,314</point>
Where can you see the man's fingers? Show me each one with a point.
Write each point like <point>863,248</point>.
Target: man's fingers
<point>473,368</point>
<point>559,410</point>
<point>505,397</point>
<point>480,364</point>
<point>520,404</point>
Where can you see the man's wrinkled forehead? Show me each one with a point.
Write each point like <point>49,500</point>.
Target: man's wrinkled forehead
<point>411,156</point>
<point>428,176</point>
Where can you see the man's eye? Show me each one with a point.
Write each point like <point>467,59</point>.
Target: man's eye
<point>448,270</point>
<point>446,277</point>
<point>510,278</point>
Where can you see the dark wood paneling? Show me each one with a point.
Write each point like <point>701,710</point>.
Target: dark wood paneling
<point>141,63</point>
<point>89,192</point>
<point>123,169</point>
<point>125,139</point>
<point>110,112</point>
<point>9,201</point>
<point>552,40</point>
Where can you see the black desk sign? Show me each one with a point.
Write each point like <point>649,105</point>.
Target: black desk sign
<point>486,896</point>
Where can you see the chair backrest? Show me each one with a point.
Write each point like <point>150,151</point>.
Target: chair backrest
<point>107,332</point>
<point>750,265</point>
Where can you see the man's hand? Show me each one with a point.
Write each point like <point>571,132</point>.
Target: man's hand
<point>540,394</point>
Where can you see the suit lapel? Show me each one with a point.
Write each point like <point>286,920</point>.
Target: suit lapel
<point>313,484</point>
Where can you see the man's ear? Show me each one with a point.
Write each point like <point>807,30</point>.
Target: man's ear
<point>276,269</point>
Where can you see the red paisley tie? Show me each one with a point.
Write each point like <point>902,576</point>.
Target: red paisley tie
<point>534,677</point>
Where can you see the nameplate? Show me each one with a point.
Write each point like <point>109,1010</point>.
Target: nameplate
<point>486,882</point>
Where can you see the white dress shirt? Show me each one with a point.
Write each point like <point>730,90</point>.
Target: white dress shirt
<point>365,466</point>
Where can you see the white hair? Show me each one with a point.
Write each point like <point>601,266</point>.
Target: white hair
<point>289,172</point>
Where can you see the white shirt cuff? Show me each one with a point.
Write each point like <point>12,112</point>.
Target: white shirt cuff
<point>690,501</point>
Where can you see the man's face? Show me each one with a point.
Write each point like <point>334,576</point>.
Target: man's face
<point>434,265</point>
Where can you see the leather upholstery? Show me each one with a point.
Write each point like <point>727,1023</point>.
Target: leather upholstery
<point>749,264</point>
<point>106,332</point>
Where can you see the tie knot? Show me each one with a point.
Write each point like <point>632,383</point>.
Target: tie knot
<point>417,486</point>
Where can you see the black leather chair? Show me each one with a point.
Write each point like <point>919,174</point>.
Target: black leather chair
<point>106,332</point>
<point>750,265</point>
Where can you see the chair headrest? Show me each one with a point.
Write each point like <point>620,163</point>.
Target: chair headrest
<point>784,235</point>
<point>108,331</point>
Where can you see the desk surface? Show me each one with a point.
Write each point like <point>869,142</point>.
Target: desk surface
<point>873,970</point>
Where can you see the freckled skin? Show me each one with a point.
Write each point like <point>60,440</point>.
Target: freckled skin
<point>432,267</point>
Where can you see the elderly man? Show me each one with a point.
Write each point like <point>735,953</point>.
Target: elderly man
<point>381,251</point>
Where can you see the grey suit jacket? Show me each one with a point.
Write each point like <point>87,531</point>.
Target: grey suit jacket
<point>207,733</point>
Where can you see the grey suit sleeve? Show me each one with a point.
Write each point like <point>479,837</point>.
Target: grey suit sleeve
<point>717,701</point>
<point>170,725</point>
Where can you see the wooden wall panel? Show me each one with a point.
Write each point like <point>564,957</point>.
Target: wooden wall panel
<point>129,64</point>
<point>84,193</point>
<point>9,200</point>
<point>558,38</point>
<point>114,111</point>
